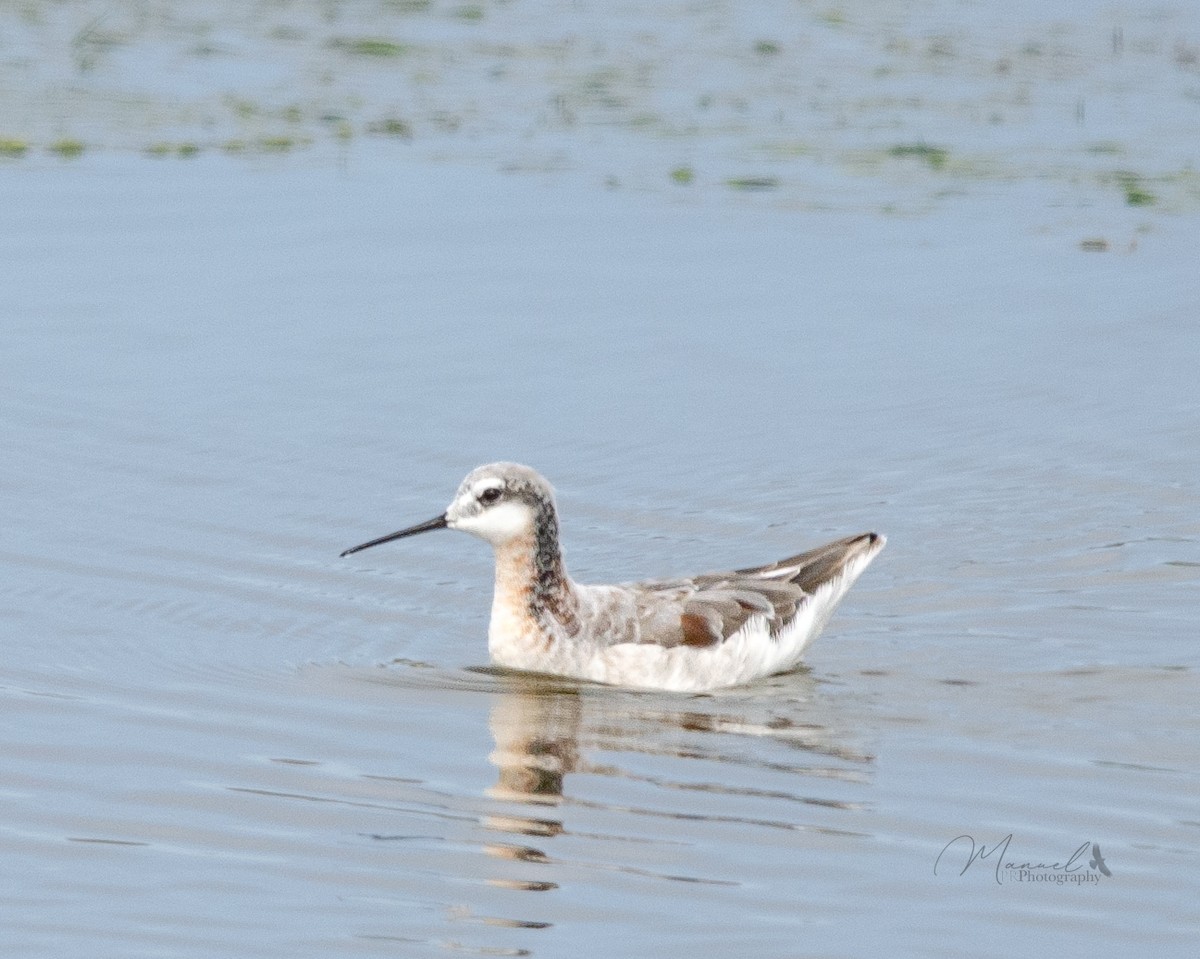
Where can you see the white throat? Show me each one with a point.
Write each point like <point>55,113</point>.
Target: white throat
<point>499,525</point>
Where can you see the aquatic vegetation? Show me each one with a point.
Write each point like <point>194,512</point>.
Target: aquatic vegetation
<point>164,149</point>
<point>265,144</point>
<point>339,125</point>
<point>278,144</point>
<point>391,127</point>
<point>935,157</point>
<point>370,46</point>
<point>750,183</point>
<point>245,109</point>
<point>315,79</point>
<point>788,149</point>
<point>67,148</point>
<point>1136,193</point>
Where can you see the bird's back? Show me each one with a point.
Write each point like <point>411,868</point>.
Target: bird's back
<point>717,629</point>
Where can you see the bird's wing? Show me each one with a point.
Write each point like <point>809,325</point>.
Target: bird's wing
<point>812,569</point>
<point>706,610</point>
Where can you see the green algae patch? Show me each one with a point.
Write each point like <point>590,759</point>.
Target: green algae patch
<point>934,157</point>
<point>67,148</point>
<point>13,148</point>
<point>391,127</point>
<point>279,144</point>
<point>752,183</point>
<point>377,47</point>
<point>164,149</point>
<point>1134,188</point>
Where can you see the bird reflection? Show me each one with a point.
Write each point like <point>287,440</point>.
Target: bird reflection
<point>546,729</point>
<point>536,728</point>
<point>538,723</point>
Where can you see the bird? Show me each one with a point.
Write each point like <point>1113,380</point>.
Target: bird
<point>689,634</point>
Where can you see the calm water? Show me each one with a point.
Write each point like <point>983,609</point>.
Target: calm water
<point>220,739</point>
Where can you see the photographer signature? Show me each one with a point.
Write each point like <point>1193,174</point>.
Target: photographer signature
<point>964,849</point>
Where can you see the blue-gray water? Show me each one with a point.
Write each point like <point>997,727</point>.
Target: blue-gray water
<point>218,372</point>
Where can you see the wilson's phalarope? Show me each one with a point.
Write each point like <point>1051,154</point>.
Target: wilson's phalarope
<point>718,629</point>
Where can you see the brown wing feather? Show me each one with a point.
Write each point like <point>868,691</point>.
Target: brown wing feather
<point>696,631</point>
<point>708,609</point>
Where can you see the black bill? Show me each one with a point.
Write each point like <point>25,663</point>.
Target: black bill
<point>438,522</point>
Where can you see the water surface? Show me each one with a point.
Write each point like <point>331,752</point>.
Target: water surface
<point>222,739</point>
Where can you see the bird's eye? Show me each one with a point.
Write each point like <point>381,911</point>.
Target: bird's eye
<point>489,495</point>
